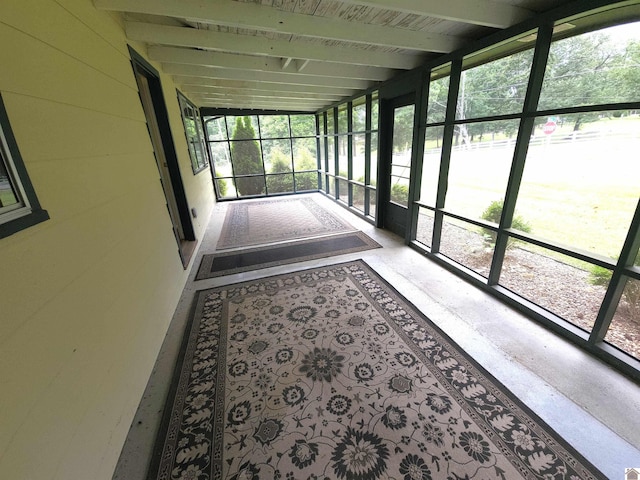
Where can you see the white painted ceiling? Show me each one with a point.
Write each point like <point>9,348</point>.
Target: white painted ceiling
<point>304,54</point>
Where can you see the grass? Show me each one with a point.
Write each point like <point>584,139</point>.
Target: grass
<point>582,194</point>
<point>7,198</point>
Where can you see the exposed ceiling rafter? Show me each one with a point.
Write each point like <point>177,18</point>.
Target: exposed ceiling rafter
<point>272,77</point>
<point>230,13</point>
<point>264,64</point>
<point>487,13</point>
<point>254,45</point>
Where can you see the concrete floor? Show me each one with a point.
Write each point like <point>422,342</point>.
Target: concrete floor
<point>593,407</point>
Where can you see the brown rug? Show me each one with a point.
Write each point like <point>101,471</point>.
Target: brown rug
<point>329,373</point>
<point>227,263</point>
<point>276,220</point>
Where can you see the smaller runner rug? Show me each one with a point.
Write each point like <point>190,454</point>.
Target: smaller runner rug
<point>218,264</point>
<point>276,220</point>
<point>328,374</point>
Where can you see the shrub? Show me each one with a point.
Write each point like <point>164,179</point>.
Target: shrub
<point>493,213</point>
<point>400,194</point>
<point>222,187</point>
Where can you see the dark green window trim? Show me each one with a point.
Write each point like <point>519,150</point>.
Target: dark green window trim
<point>196,144</point>
<point>29,213</point>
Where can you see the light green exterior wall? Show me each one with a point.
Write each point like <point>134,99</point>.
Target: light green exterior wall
<point>85,297</point>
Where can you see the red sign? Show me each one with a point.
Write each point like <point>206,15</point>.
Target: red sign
<point>549,127</point>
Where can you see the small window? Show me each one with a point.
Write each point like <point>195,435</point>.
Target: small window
<point>19,206</point>
<point>194,133</point>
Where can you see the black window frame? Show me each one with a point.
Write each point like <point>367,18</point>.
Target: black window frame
<point>31,211</point>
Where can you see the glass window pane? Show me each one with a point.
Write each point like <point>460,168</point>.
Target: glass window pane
<point>401,154</point>
<point>8,193</point>
<point>431,165</point>
<point>424,232</point>
<point>248,186</point>
<point>226,188</point>
<point>330,122</point>
<point>581,190</point>
<point>306,181</point>
<point>480,164</point>
<point>216,128</point>
<point>358,157</point>
<point>277,156</point>
<point>323,160</point>
<point>466,244</point>
<point>343,126</point>
<point>329,184</point>
<point>556,282</point>
<point>331,155</point>
<point>358,197</point>
<point>304,154</point>
<point>242,127</point>
<point>372,202</point>
<point>221,159</point>
<point>359,114</point>
<point>437,106</point>
<point>374,111</point>
<point>373,174</point>
<point>400,190</point>
<point>494,88</point>
<point>303,125</point>
<point>593,68</point>
<point>624,331</point>
<point>343,159</point>
<point>274,126</point>
<point>247,160</point>
<point>343,193</point>
<point>280,183</point>
<point>373,198</point>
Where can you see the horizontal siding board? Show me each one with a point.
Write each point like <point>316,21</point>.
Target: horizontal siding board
<point>48,73</point>
<point>64,32</point>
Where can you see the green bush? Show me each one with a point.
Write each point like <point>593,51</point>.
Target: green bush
<point>493,213</point>
<point>631,293</point>
<point>222,187</point>
<point>400,194</point>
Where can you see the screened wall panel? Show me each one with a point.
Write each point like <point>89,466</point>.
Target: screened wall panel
<point>351,155</point>
<point>259,155</point>
<point>529,177</point>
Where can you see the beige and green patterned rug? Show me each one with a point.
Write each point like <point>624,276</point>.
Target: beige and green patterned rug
<point>329,373</point>
<point>275,220</point>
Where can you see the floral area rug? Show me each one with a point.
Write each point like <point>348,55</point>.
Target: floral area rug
<point>275,220</point>
<point>329,373</point>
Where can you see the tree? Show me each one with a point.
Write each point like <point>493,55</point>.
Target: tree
<point>247,159</point>
<point>281,164</point>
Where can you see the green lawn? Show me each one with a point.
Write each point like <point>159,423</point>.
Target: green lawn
<point>579,193</point>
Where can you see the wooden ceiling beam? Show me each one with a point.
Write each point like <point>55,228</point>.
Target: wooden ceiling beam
<point>253,45</point>
<point>190,56</point>
<point>229,13</point>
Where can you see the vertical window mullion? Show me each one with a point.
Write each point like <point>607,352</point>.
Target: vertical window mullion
<point>350,153</point>
<point>447,142</point>
<point>617,283</point>
<point>420,121</point>
<point>367,153</point>
<point>534,87</point>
